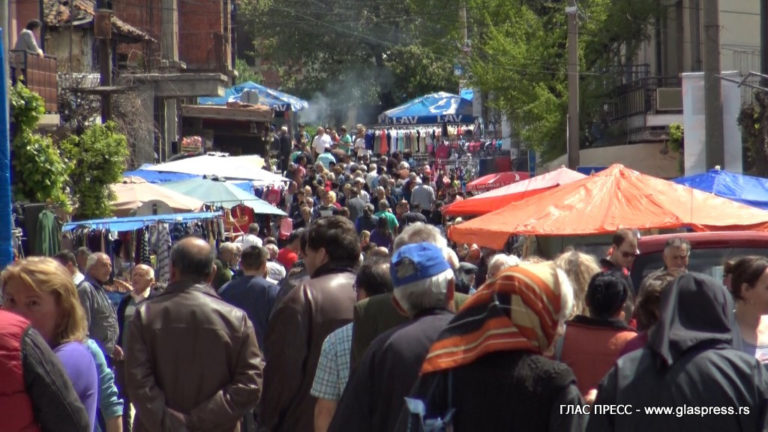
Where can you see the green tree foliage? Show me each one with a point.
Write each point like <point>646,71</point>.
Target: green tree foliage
<point>753,120</point>
<point>245,72</point>
<point>519,57</point>
<point>98,157</point>
<point>356,52</point>
<point>39,171</point>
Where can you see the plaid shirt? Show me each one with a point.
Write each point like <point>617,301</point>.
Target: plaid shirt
<point>333,367</point>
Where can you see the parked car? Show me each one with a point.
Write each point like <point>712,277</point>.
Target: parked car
<point>709,251</point>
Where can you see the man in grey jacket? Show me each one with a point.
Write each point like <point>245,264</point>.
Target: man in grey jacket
<point>102,321</point>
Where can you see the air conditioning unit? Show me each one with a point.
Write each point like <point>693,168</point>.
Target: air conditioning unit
<point>669,99</point>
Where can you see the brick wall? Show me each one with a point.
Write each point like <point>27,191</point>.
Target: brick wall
<point>203,36</point>
<point>26,10</point>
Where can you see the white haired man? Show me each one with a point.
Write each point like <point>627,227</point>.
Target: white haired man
<point>102,321</point>
<point>423,289</point>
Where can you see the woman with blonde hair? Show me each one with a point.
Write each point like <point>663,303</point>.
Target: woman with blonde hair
<point>580,267</point>
<point>42,291</point>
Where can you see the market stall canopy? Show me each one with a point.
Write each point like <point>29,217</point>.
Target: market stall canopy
<point>134,192</point>
<point>440,107</point>
<point>221,193</point>
<point>498,198</point>
<point>158,176</point>
<point>230,167</point>
<point>496,180</point>
<point>745,189</point>
<point>617,197</point>
<point>136,222</point>
<point>275,99</point>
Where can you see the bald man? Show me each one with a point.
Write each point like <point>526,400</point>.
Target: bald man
<point>193,361</point>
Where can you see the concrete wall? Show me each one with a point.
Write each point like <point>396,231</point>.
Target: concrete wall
<point>81,60</point>
<point>646,158</point>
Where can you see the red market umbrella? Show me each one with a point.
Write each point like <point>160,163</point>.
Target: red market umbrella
<point>496,180</point>
<point>498,198</point>
<point>617,197</point>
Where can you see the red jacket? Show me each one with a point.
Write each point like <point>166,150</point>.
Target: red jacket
<point>15,406</point>
<point>591,346</point>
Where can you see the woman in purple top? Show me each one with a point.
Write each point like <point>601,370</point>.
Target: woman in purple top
<point>381,235</point>
<point>41,290</point>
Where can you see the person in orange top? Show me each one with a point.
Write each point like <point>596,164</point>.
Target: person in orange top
<point>592,344</point>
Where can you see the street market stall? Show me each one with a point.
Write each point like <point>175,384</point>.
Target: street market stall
<point>135,196</point>
<point>745,189</point>
<point>223,194</point>
<point>496,180</point>
<point>495,199</point>
<point>617,197</point>
<point>224,166</point>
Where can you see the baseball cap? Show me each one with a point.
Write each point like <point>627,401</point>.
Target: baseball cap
<point>418,261</point>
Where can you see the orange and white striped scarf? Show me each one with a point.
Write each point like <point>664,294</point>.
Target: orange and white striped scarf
<point>517,310</point>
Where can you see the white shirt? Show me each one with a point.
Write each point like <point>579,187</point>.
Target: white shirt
<point>77,278</point>
<point>360,147</point>
<point>321,142</point>
<point>249,240</point>
<point>275,271</point>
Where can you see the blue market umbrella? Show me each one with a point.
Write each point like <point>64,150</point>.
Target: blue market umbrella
<point>275,99</point>
<point>225,194</point>
<point>745,189</point>
<point>440,107</point>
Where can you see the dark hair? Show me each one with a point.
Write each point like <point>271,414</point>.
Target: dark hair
<point>254,257</point>
<point>337,235</point>
<point>606,294</point>
<point>649,299</point>
<point>66,257</point>
<point>746,270</point>
<point>194,260</point>
<point>295,235</point>
<point>622,236</point>
<point>678,242</point>
<point>374,278</point>
<point>270,240</point>
<point>253,228</point>
<point>83,250</point>
<point>368,210</point>
<point>33,24</point>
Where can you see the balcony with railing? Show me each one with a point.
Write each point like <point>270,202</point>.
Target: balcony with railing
<point>38,74</point>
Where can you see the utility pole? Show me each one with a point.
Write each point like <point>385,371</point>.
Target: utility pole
<point>573,84</point>
<point>713,101</point>
<point>103,32</point>
<point>170,53</point>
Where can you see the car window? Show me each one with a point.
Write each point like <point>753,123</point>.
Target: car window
<point>707,261</point>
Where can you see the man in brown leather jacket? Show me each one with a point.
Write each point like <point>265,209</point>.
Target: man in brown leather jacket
<point>303,319</point>
<point>192,360</point>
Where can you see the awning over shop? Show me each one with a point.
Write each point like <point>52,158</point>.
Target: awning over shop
<point>498,198</point>
<point>225,194</point>
<point>434,108</point>
<point>134,193</point>
<point>745,189</point>
<point>136,222</point>
<point>602,203</point>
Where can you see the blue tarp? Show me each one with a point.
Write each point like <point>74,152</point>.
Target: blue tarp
<point>159,176</point>
<point>745,189</point>
<point>136,222</point>
<point>433,108</point>
<point>274,99</point>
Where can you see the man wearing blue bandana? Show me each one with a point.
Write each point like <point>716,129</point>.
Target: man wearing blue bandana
<point>423,289</point>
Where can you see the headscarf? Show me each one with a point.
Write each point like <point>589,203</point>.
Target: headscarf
<point>695,311</point>
<point>520,309</point>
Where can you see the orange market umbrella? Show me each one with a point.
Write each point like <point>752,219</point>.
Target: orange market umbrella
<point>134,192</point>
<point>495,199</point>
<point>617,197</point>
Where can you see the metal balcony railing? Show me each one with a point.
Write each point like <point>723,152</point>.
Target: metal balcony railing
<point>38,74</point>
<point>639,96</point>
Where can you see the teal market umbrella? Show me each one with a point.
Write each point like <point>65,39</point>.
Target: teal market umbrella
<point>221,193</point>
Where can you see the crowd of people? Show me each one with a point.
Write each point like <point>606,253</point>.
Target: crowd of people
<point>366,318</point>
